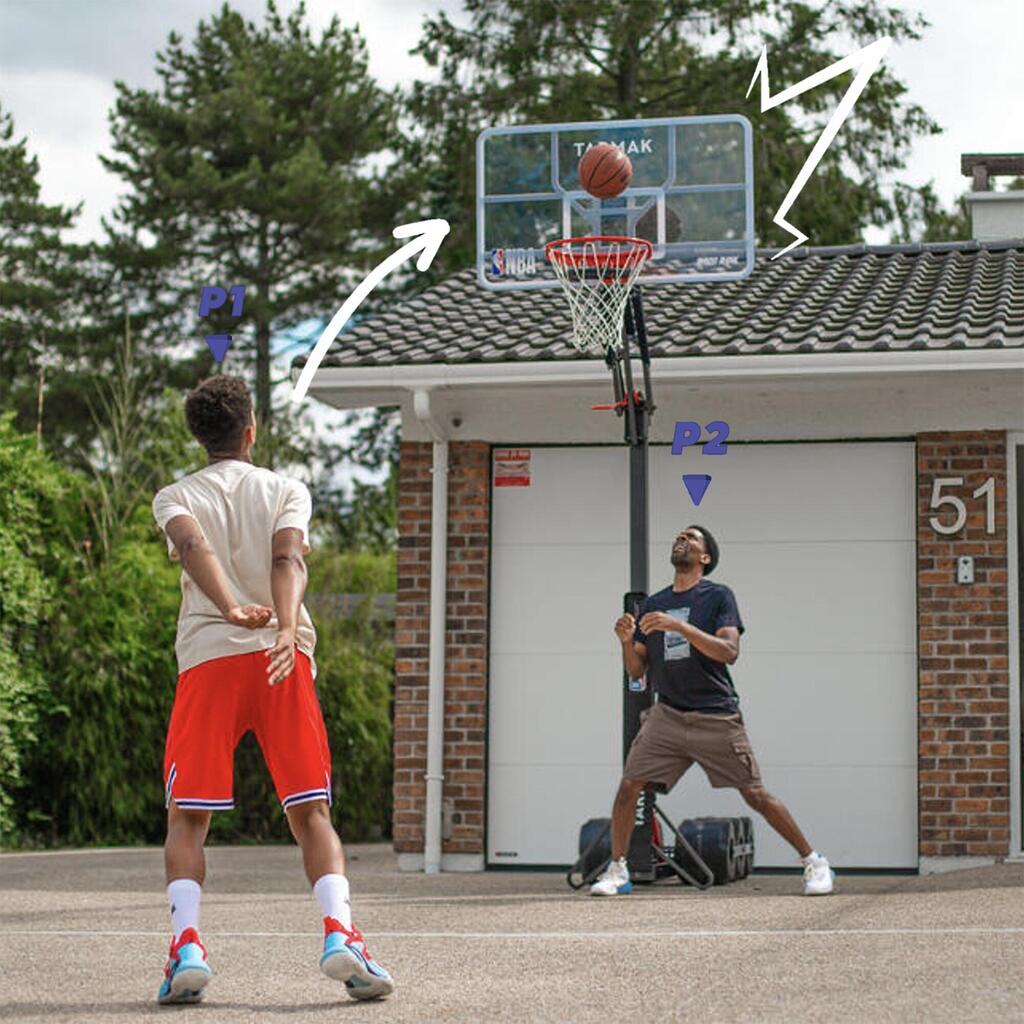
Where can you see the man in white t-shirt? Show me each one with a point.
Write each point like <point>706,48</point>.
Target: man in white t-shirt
<point>245,660</point>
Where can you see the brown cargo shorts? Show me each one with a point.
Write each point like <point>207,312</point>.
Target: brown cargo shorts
<point>669,741</point>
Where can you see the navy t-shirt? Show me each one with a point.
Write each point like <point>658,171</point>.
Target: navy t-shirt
<point>676,670</point>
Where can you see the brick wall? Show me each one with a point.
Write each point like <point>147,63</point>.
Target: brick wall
<point>963,731</point>
<point>465,647</point>
<point>412,640</point>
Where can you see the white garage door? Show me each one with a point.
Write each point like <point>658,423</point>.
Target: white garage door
<point>817,544</point>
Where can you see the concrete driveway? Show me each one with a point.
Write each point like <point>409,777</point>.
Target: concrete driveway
<point>83,937</point>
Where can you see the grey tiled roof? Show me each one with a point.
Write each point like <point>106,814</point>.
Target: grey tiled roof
<point>854,298</point>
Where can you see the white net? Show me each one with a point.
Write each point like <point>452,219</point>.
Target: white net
<point>597,275</point>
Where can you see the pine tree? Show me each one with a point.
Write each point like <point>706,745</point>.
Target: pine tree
<point>542,61</point>
<point>252,165</point>
<point>39,275</point>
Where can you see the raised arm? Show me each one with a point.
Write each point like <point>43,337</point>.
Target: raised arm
<point>634,654</point>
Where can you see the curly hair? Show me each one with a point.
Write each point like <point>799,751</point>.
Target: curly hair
<point>217,412</point>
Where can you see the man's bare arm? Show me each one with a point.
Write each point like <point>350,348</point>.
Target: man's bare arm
<point>634,659</point>
<point>200,562</point>
<point>634,654</point>
<point>287,577</point>
<point>724,646</point>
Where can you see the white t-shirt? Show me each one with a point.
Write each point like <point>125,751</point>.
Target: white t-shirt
<point>239,508</point>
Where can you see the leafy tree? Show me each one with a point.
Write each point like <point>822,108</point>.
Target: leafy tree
<point>87,644</point>
<point>36,506</point>
<point>60,314</point>
<point>250,165</point>
<point>40,277</point>
<point>922,217</point>
<point>109,661</point>
<point>363,516</point>
<point>138,448</point>
<point>535,61</point>
<point>97,774</point>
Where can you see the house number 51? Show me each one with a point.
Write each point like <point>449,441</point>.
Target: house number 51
<point>988,488</point>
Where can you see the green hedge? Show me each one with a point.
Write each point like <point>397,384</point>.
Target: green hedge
<point>37,498</point>
<point>87,676</point>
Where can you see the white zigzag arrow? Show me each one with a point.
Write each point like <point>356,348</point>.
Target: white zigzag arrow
<point>866,60</point>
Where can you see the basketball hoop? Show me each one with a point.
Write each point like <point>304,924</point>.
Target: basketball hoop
<point>597,275</point>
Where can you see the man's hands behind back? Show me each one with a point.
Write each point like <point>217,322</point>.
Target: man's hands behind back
<point>281,657</point>
<point>249,616</point>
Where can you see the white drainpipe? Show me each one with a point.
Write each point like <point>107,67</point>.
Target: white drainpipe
<point>438,595</point>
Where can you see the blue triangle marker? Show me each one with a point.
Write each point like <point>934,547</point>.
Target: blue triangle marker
<point>697,485</point>
<point>218,345</point>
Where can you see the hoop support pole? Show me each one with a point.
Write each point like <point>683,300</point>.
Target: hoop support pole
<point>636,308</point>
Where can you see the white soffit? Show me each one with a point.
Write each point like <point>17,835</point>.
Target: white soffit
<point>355,387</point>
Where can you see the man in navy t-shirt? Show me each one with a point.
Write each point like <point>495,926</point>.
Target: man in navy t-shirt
<point>687,636</point>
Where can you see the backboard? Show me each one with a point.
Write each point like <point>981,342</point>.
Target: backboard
<point>691,196</point>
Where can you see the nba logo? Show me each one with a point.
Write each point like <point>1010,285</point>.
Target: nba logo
<point>497,263</point>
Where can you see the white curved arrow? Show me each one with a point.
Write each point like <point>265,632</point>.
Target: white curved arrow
<point>866,60</point>
<point>429,234</point>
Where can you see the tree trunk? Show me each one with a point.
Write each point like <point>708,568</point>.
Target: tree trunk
<point>629,59</point>
<point>264,408</point>
<point>264,412</point>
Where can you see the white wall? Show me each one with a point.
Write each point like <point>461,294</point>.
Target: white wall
<point>818,544</point>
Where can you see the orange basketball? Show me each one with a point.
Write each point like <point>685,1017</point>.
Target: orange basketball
<point>605,170</point>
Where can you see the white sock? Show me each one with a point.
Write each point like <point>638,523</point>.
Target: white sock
<point>183,896</point>
<point>331,892</point>
<point>812,856</point>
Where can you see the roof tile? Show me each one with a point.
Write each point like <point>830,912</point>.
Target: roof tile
<point>844,298</point>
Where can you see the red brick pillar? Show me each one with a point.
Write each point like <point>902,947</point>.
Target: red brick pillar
<point>465,706</point>
<point>465,647</point>
<point>412,645</point>
<point>963,644</point>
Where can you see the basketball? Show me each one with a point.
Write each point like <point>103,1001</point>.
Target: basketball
<point>605,170</point>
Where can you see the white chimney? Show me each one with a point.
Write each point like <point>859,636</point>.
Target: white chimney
<point>995,216</point>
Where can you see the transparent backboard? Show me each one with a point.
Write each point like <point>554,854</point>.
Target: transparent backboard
<point>691,196</point>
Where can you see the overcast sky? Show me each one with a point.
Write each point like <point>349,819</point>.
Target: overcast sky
<point>59,59</point>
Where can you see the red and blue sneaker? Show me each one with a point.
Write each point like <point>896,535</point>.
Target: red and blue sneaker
<point>187,972</point>
<point>346,958</point>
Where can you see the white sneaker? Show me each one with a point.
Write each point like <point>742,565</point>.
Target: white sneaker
<point>613,881</point>
<point>818,876</point>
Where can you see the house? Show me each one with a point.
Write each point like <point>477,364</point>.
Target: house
<point>868,510</point>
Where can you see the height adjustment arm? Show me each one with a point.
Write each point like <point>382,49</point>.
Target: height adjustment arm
<point>638,402</point>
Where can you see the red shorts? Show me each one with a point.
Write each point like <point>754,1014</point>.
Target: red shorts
<point>216,703</point>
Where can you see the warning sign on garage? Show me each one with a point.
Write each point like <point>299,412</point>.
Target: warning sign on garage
<point>511,467</point>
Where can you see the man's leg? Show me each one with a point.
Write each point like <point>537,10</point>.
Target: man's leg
<point>345,956</point>
<point>290,729</point>
<point>614,880</point>
<point>624,816</point>
<point>185,865</point>
<point>818,875</point>
<point>322,852</point>
<point>183,848</point>
<point>774,811</point>
<point>187,971</point>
